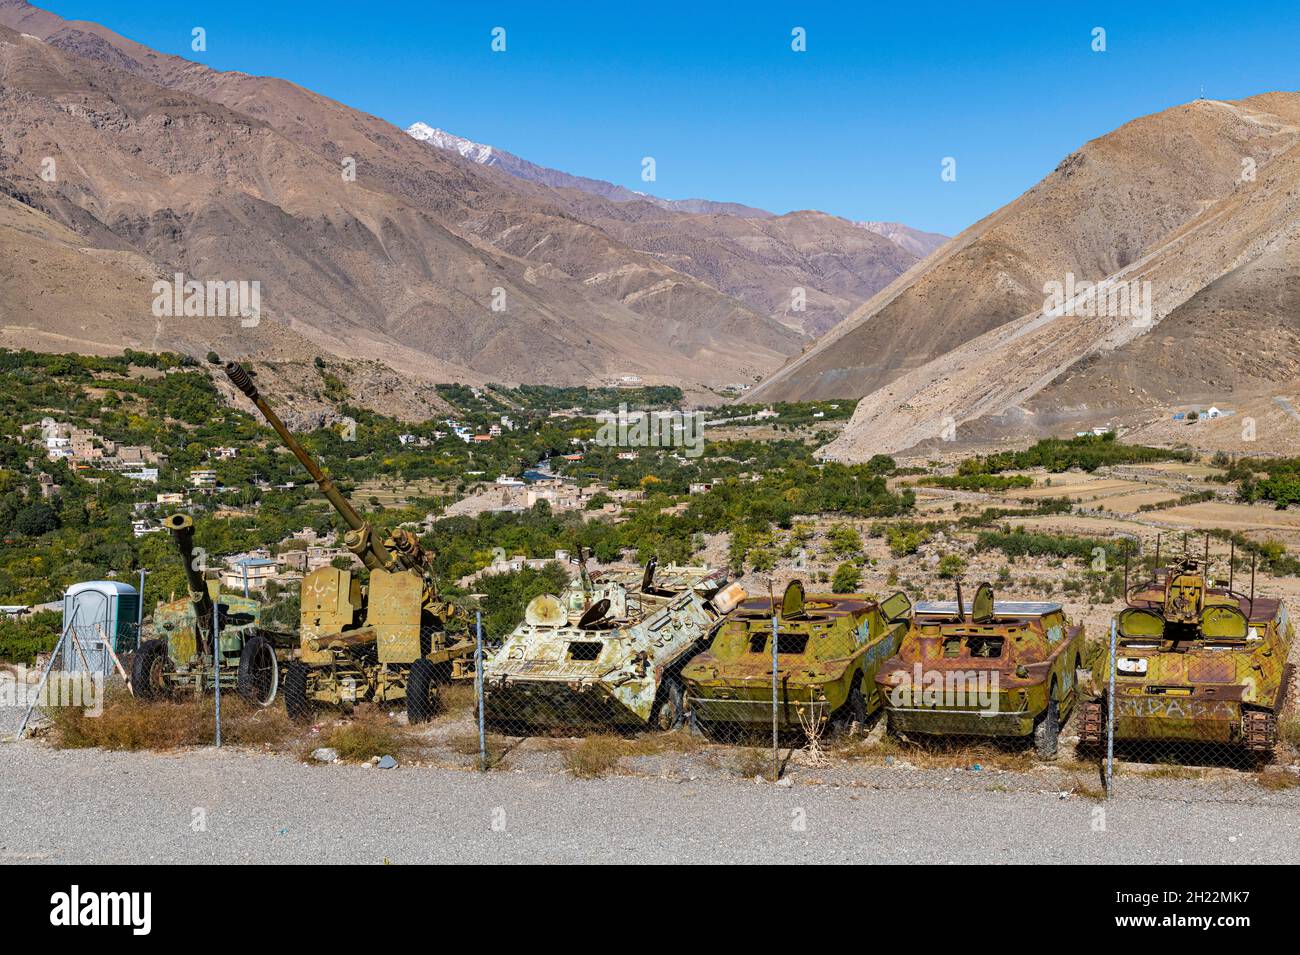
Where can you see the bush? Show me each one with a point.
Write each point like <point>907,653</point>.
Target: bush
<point>847,578</point>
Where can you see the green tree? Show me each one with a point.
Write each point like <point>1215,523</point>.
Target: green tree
<point>846,579</point>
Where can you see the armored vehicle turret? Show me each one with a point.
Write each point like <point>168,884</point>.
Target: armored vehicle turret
<point>392,638</point>
<point>609,651</point>
<point>828,647</point>
<point>987,668</point>
<point>1195,661</point>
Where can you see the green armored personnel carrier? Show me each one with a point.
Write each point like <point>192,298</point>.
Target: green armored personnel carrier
<point>392,638</point>
<point>177,652</point>
<point>828,647</point>
<point>608,651</point>
<point>1195,661</point>
<point>988,668</point>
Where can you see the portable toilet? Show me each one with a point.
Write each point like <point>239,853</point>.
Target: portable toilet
<point>100,614</point>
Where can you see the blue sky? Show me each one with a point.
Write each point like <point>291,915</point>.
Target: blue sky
<point>857,125</point>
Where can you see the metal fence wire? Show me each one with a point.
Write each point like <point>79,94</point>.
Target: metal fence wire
<point>1199,690</point>
<point>1194,691</point>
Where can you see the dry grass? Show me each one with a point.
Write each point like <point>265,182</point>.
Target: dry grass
<point>1174,771</point>
<point>366,736</point>
<point>1277,781</point>
<point>456,699</point>
<point>1288,729</point>
<point>595,756</point>
<point>130,724</point>
<point>751,762</point>
<point>1093,790</point>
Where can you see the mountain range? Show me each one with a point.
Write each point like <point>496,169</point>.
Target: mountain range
<point>121,166</point>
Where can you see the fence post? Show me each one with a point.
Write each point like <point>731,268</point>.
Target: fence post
<point>45,674</point>
<point>776,751</point>
<point>1110,714</point>
<point>478,688</point>
<point>216,662</point>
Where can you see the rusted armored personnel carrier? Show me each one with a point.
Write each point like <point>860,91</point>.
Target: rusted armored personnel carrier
<point>988,668</point>
<point>1195,661</point>
<point>608,651</point>
<point>392,638</point>
<point>828,647</point>
<point>177,654</point>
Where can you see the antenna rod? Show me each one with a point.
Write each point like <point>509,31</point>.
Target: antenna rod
<point>1207,552</point>
<point>1232,560</point>
<point>1157,551</point>
<point>961,608</point>
<point>1252,581</point>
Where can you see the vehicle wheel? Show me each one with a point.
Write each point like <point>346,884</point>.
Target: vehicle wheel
<point>668,716</point>
<point>259,672</point>
<point>853,711</point>
<point>421,692</point>
<point>296,702</point>
<point>1048,731</point>
<point>149,670</point>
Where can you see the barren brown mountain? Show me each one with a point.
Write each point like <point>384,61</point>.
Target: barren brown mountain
<point>806,269</point>
<point>1199,204</point>
<point>229,176</point>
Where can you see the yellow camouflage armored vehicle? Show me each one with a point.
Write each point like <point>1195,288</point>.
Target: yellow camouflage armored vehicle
<point>828,647</point>
<point>608,651</point>
<point>388,639</point>
<point>177,652</point>
<point>1195,661</point>
<point>988,668</point>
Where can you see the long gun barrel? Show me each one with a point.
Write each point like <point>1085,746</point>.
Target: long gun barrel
<point>182,530</point>
<point>360,539</point>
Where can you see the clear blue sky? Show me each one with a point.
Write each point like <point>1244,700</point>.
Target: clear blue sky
<point>857,125</point>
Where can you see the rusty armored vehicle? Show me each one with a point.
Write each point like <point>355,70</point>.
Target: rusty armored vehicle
<point>988,668</point>
<point>1195,661</point>
<point>828,647</point>
<point>386,639</point>
<point>608,651</point>
<point>177,652</point>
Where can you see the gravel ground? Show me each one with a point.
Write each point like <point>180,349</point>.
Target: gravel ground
<point>104,807</point>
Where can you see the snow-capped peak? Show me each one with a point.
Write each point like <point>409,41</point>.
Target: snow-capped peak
<point>474,152</point>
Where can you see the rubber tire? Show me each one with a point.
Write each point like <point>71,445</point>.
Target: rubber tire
<point>248,682</point>
<point>421,692</point>
<point>853,711</point>
<point>672,705</point>
<point>296,702</point>
<point>150,654</point>
<point>1047,734</point>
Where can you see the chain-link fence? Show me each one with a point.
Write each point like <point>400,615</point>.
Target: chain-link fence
<point>859,688</point>
<point>1198,703</point>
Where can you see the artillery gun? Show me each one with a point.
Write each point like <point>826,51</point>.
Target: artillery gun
<point>609,651</point>
<point>1195,661</point>
<point>383,641</point>
<point>179,653</point>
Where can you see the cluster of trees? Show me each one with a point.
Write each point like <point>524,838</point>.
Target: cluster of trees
<point>1085,452</point>
<point>979,482</point>
<point>1021,543</point>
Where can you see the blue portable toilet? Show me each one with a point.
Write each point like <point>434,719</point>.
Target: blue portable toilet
<point>100,614</point>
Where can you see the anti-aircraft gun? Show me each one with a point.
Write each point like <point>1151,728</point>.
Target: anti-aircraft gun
<point>1195,661</point>
<point>387,640</point>
<point>178,654</point>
